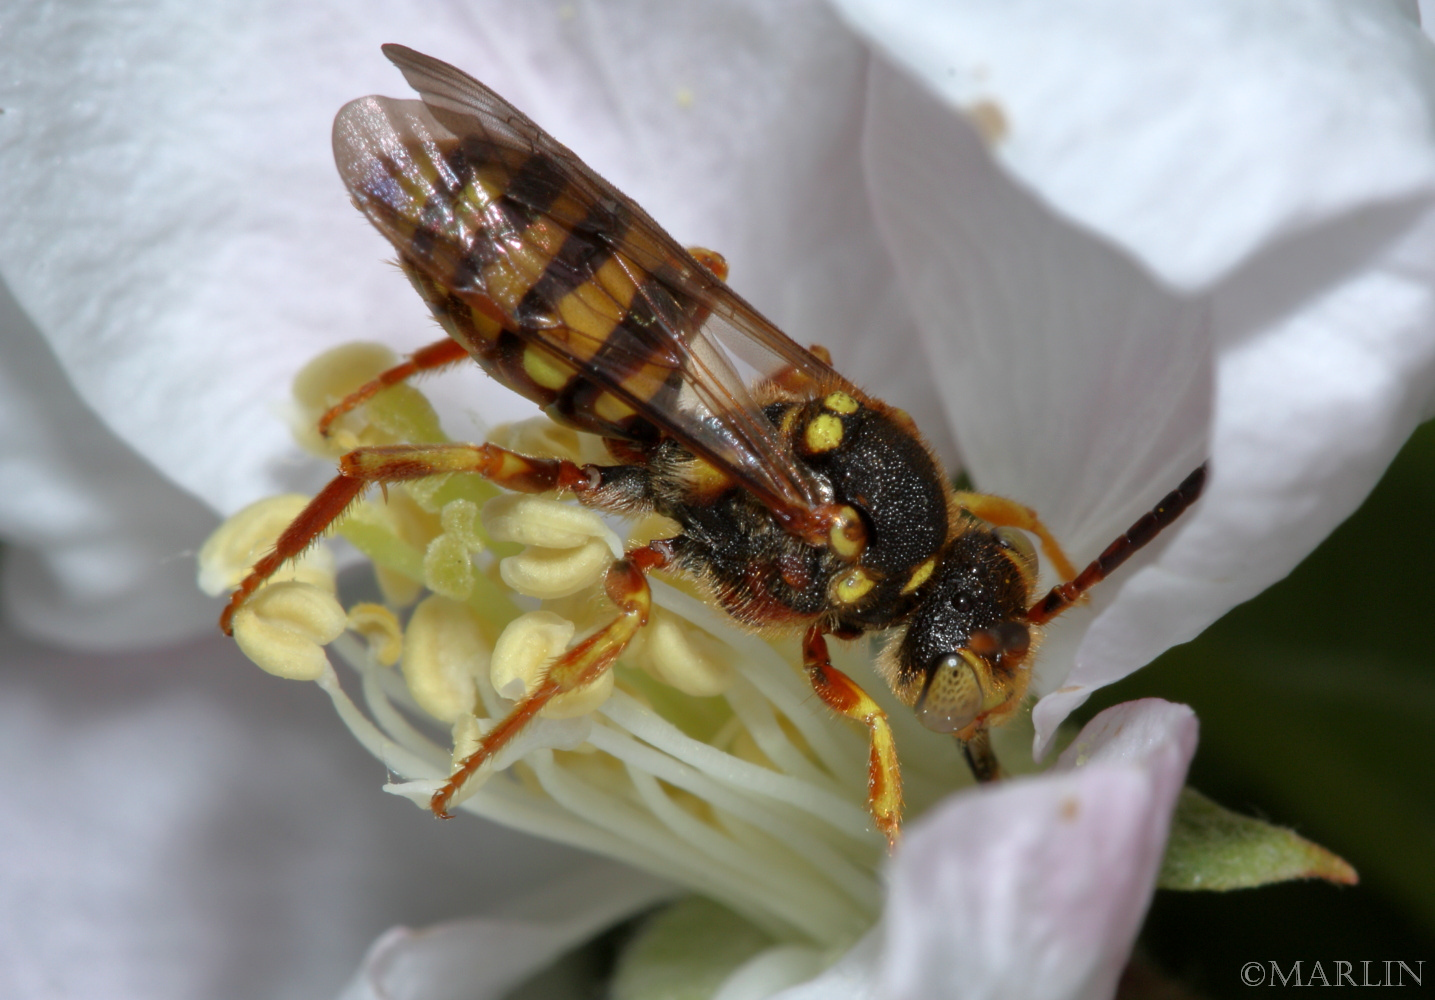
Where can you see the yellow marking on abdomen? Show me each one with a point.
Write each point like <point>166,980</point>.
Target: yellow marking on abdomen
<point>546,370</point>
<point>610,409</point>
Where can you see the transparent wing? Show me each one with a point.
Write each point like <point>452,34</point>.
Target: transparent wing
<point>492,210</point>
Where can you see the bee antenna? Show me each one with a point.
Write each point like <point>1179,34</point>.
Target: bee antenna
<point>1150,524</point>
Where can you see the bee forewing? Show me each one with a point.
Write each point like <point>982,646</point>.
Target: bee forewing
<point>487,207</point>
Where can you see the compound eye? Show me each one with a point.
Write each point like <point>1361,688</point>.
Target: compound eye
<point>953,696</point>
<point>1015,541</point>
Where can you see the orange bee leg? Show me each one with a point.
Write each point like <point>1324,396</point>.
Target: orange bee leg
<point>1150,524</point>
<point>800,382</point>
<point>842,694</point>
<point>627,587</point>
<point>426,359</point>
<point>399,463</point>
<point>1006,513</point>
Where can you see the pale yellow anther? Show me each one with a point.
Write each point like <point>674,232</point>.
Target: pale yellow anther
<point>380,629</point>
<point>284,627</point>
<point>448,568</point>
<point>403,413</point>
<point>334,374</point>
<point>398,413</point>
<point>423,492</point>
<point>459,518</point>
<point>684,656</point>
<point>652,527</point>
<point>324,382</point>
<point>400,515</point>
<point>521,658</point>
<point>467,731</point>
<point>444,653</point>
<point>240,542</point>
<point>551,573</point>
<point>399,590</point>
<point>539,437</point>
<point>533,520</point>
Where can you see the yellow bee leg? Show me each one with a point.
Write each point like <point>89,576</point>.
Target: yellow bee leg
<point>842,694</point>
<point>1006,513</point>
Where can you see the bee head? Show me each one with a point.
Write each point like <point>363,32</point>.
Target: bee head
<point>962,662</point>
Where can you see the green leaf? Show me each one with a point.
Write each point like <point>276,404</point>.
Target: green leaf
<point>1216,849</point>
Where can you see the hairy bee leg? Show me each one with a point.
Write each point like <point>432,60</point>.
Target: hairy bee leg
<point>800,382</point>
<point>435,356</point>
<point>1006,513</point>
<point>627,587</point>
<point>981,758</point>
<point>842,694</point>
<point>1147,527</point>
<point>399,463</point>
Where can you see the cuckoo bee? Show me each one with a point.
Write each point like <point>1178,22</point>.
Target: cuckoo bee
<point>804,505</point>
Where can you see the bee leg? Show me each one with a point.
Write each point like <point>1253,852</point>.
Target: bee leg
<point>1006,513</point>
<point>627,587</point>
<point>1147,527</point>
<point>426,359</point>
<point>841,694</point>
<point>799,382</point>
<point>400,463</point>
<point>981,758</point>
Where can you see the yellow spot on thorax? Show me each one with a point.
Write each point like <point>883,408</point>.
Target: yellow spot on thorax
<point>840,402</point>
<point>823,433</point>
<point>920,575</point>
<point>852,587</point>
<point>847,537</point>
<point>706,477</point>
<point>789,420</point>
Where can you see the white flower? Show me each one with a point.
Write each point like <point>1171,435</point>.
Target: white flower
<point>1185,232</point>
<point>1035,887</point>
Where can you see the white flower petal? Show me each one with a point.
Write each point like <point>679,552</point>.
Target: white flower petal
<point>177,825</point>
<point>100,547</point>
<point>233,255</point>
<point>179,235</point>
<point>1069,378</point>
<point>854,976</point>
<point>1036,887</point>
<point>1311,404</point>
<point>1300,374</point>
<point>1074,383</point>
<point>1194,135</point>
<point>485,957</point>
